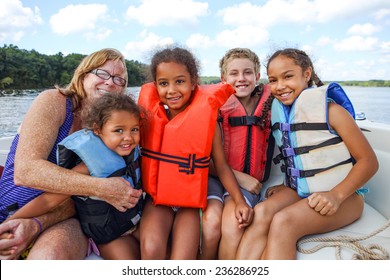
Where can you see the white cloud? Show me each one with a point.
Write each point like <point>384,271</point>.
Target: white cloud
<point>323,41</point>
<point>363,29</point>
<point>385,47</point>
<point>99,35</point>
<point>17,20</point>
<point>199,41</point>
<point>141,50</point>
<point>356,43</point>
<point>275,12</point>
<point>167,12</point>
<point>243,36</point>
<point>77,18</point>
<point>382,13</point>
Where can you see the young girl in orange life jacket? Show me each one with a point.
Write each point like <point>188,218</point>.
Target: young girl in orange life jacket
<point>177,141</point>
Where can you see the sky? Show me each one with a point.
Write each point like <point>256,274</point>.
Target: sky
<point>346,39</point>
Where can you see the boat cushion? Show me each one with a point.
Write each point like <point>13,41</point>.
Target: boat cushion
<point>370,221</point>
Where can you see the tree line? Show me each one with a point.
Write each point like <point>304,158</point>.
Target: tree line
<point>23,69</point>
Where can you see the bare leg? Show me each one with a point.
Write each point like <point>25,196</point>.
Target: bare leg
<point>155,227</point>
<point>186,234</point>
<point>299,220</point>
<point>255,236</point>
<point>123,248</point>
<point>63,241</point>
<point>211,229</point>
<point>231,233</point>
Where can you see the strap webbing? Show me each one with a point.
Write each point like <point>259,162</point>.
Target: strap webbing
<point>290,171</point>
<point>186,164</point>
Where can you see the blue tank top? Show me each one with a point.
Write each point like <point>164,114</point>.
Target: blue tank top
<point>9,192</point>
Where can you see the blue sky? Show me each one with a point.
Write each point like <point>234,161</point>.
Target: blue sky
<point>347,39</point>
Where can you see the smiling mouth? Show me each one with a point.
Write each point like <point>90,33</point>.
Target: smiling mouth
<point>174,99</point>
<point>285,94</point>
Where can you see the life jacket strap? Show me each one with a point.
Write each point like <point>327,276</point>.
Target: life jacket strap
<point>186,164</point>
<point>294,172</point>
<point>299,126</point>
<point>288,152</point>
<point>246,121</point>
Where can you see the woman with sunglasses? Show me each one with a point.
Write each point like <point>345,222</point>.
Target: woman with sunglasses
<point>31,166</point>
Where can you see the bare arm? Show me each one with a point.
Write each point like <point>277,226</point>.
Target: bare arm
<point>365,167</point>
<point>248,182</point>
<point>40,205</point>
<point>37,137</point>
<point>244,213</point>
<point>21,232</point>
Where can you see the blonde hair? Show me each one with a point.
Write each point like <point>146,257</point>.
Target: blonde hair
<point>94,60</point>
<point>239,53</point>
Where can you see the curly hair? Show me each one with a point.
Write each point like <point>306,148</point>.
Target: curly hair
<point>178,55</point>
<point>99,110</point>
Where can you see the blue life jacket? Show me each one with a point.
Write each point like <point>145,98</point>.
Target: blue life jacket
<point>321,160</point>
<point>99,219</point>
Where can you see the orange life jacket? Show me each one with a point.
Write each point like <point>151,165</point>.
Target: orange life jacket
<point>176,153</point>
<point>246,135</point>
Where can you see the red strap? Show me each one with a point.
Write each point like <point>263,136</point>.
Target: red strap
<point>1,170</point>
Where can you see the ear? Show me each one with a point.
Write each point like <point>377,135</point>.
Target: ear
<point>223,80</point>
<point>96,129</point>
<point>257,77</point>
<point>307,73</point>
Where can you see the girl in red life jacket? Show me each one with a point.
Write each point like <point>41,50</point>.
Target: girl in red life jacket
<point>166,213</point>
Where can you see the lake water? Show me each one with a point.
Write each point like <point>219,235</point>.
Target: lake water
<point>373,101</point>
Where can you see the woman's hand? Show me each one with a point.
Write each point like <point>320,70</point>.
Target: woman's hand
<point>16,236</point>
<point>120,194</point>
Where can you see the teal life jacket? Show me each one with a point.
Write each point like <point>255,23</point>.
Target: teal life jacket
<point>100,220</point>
<point>320,159</point>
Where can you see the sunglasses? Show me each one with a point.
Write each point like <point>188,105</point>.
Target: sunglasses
<point>103,74</point>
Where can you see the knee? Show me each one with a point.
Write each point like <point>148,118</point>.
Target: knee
<point>262,214</point>
<point>152,247</point>
<point>211,225</point>
<point>282,222</point>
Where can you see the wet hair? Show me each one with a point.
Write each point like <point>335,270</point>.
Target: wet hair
<point>301,59</point>
<point>96,59</point>
<point>178,55</point>
<point>99,110</point>
<point>239,53</point>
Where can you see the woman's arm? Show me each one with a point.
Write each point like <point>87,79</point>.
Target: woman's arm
<point>38,134</point>
<point>39,205</point>
<point>19,233</point>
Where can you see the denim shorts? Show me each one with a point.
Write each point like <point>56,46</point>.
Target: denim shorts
<point>217,191</point>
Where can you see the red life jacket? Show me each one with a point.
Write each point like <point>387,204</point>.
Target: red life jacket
<point>246,136</point>
<point>176,153</point>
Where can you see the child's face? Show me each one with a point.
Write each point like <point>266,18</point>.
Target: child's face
<point>287,80</point>
<point>121,132</point>
<point>240,73</point>
<point>174,86</point>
